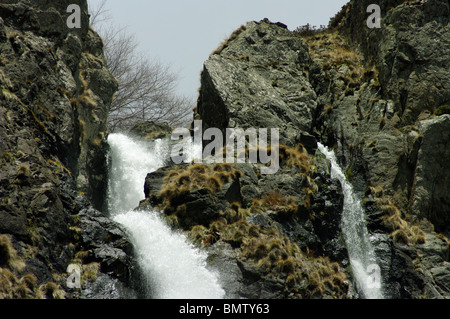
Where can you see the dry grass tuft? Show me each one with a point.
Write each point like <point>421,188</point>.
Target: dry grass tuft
<point>275,201</point>
<point>401,230</point>
<point>179,182</point>
<point>233,36</point>
<point>8,255</point>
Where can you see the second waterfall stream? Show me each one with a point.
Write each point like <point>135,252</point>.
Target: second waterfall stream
<point>360,250</point>
<point>172,267</point>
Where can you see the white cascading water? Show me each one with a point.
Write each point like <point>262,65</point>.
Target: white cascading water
<point>173,267</point>
<point>361,252</point>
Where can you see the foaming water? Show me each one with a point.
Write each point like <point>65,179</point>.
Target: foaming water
<point>173,268</point>
<point>130,161</point>
<point>361,252</point>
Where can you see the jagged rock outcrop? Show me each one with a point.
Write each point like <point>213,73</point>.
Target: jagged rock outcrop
<point>266,235</point>
<point>389,125</point>
<point>430,192</point>
<point>410,52</point>
<point>257,78</point>
<point>377,96</point>
<point>411,55</point>
<point>269,236</point>
<point>55,92</point>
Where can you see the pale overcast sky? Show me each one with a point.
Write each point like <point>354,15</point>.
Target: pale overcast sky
<point>182,33</point>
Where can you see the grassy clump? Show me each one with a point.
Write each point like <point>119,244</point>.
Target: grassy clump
<point>233,36</point>
<point>179,182</point>
<point>332,48</point>
<point>275,201</point>
<point>334,53</point>
<point>8,255</point>
<point>401,230</point>
<point>90,272</point>
<point>51,290</point>
<point>296,157</point>
<point>11,286</point>
<point>58,166</point>
<point>328,109</point>
<point>309,30</point>
<point>273,255</point>
<point>304,276</point>
<point>87,99</point>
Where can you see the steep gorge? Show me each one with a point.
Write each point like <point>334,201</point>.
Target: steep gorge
<point>377,97</point>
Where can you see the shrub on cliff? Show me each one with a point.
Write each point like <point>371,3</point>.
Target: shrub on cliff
<point>146,88</point>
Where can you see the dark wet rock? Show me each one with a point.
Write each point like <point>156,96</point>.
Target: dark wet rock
<point>55,93</point>
<point>430,193</point>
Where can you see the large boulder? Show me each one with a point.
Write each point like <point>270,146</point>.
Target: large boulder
<point>257,79</point>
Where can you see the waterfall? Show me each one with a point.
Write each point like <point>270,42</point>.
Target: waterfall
<point>173,267</point>
<point>361,252</point>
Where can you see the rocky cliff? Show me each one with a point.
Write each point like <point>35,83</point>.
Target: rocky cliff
<point>54,97</point>
<point>379,98</point>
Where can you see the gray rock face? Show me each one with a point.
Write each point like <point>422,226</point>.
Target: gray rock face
<point>379,130</point>
<point>54,97</point>
<point>430,197</point>
<point>410,51</point>
<point>62,80</point>
<point>258,80</point>
<point>380,110</point>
